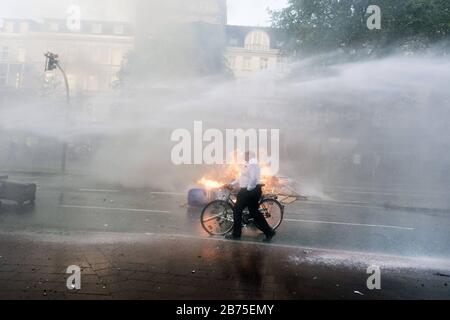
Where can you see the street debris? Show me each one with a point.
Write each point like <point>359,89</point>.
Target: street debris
<point>295,260</point>
<point>20,193</point>
<point>442,275</point>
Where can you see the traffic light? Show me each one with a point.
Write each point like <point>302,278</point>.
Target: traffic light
<point>52,61</point>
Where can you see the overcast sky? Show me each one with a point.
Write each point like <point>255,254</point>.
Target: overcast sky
<point>240,12</point>
<point>252,12</point>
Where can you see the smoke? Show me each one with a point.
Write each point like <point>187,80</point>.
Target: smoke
<point>378,123</point>
<point>381,122</point>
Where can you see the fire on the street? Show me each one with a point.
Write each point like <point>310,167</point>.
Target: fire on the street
<point>282,186</point>
<point>210,184</point>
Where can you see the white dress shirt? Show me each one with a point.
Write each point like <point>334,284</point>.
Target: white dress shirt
<point>250,176</point>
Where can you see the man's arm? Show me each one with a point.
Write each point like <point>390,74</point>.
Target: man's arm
<point>234,183</point>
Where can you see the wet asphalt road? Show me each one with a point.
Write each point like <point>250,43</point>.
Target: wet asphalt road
<point>76,204</point>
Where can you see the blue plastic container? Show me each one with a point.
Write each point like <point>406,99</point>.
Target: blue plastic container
<point>197,197</point>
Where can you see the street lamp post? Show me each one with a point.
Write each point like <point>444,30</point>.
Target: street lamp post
<point>52,63</point>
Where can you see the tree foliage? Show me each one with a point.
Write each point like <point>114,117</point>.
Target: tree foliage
<point>327,25</point>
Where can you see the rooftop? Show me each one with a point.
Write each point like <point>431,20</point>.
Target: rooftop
<point>115,28</point>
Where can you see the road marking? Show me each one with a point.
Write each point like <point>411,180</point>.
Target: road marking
<point>168,193</point>
<point>114,209</point>
<point>369,191</point>
<point>391,193</point>
<point>98,190</point>
<point>351,224</point>
<point>340,204</point>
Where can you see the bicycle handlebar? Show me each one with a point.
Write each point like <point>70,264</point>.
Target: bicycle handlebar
<point>228,187</point>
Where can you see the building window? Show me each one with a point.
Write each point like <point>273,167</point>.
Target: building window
<point>4,53</point>
<point>97,28</point>
<point>257,41</point>
<point>9,27</point>
<point>119,29</point>
<point>24,27</point>
<point>116,57</point>
<point>18,80</point>
<point>248,64</point>
<point>15,75</point>
<point>232,62</point>
<point>3,75</point>
<point>21,55</point>
<point>264,63</point>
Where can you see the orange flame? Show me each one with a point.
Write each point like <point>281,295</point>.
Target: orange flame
<point>218,178</point>
<point>210,184</point>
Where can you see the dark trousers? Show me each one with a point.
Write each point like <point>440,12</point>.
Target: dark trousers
<point>251,200</point>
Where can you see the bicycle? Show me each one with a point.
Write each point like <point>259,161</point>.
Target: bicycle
<point>217,217</point>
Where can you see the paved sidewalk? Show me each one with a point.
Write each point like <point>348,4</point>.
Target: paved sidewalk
<point>121,266</point>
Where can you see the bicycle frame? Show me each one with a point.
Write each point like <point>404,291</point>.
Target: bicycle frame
<point>229,198</point>
<point>232,201</point>
<point>246,218</point>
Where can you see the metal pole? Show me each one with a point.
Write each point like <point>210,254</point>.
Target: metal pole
<point>65,146</point>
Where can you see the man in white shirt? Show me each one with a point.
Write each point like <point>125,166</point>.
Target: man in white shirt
<point>249,196</point>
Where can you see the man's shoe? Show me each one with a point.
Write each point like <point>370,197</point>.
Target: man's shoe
<point>232,237</point>
<point>270,237</point>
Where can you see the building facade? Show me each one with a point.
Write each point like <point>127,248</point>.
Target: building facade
<point>153,14</point>
<point>92,55</point>
<point>251,49</point>
<point>92,51</point>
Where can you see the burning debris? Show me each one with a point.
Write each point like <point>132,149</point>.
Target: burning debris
<point>209,187</point>
<point>210,184</point>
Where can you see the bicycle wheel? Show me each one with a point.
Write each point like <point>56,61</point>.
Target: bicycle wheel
<point>217,218</point>
<point>273,212</point>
